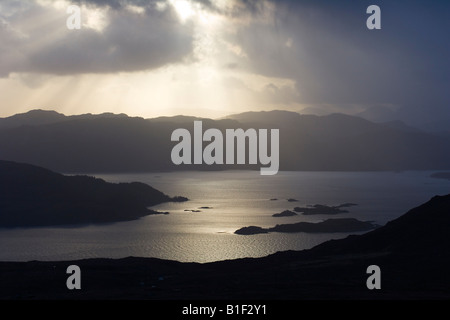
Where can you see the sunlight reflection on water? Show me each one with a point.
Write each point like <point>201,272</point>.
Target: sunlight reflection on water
<point>235,199</point>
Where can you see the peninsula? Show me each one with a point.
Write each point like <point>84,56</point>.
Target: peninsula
<point>33,196</point>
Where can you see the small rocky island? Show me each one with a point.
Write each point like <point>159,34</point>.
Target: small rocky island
<point>285,213</point>
<point>324,209</point>
<point>327,226</point>
<point>33,196</point>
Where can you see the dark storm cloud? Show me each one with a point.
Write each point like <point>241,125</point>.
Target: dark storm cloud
<point>334,58</point>
<point>116,4</point>
<point>120,4</point>
<point>129,42</point>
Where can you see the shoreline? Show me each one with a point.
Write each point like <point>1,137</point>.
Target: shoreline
<point>413,261</point>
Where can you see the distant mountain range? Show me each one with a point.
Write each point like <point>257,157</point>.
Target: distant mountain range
<point>118,143</point>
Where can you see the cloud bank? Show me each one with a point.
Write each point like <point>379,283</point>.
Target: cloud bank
<point>323,48</point>
<point>129,40</point>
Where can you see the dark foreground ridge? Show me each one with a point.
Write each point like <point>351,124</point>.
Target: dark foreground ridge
<point>34,196</point>
<point>413,253</point>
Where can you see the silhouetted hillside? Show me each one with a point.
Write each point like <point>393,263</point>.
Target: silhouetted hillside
<point>33,117</point>
<point>329,225</point>
<point>117,143</point>
<point>176,119</point>
<point>268,117</point>
<point>422,231</point>
<point>341,142</point>
<point>42,117</point>
<point>34,196</point>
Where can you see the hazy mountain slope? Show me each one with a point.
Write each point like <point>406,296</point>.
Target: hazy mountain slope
<point>42,117</point>
<point>116,143</point>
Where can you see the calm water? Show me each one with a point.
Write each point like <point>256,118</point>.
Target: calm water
<point>237,199</point>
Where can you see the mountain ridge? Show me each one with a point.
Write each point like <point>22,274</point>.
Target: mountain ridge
<point>118,143</point>
<point>38,117</point>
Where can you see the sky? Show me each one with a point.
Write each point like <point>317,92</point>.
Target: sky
<point>214,58</point>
